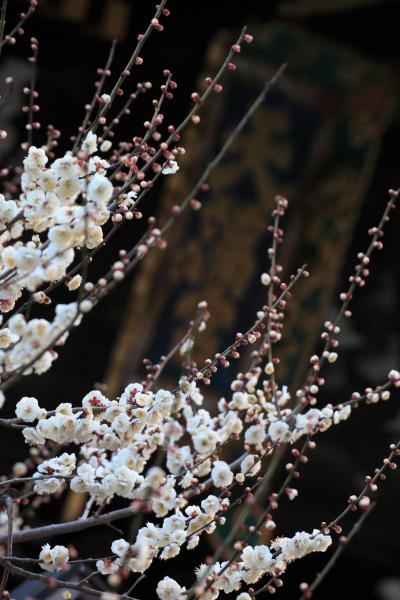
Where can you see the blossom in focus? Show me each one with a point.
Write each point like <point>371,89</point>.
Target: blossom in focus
<point>171,168</point>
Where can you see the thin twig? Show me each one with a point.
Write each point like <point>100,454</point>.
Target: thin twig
<point>343,543</point>
<point>312,374</point>
<point>98,89</point>
<point>32,93</point>
<point>53,582</point>
<point>125,73</point>
<point>21,23</point>
<point>2,22</point>
<point>7,500</point>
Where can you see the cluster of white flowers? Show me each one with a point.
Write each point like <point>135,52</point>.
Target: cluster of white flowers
<point>166,541</point>
<point>53,559</point>
<point>301,544</point>
<point>23,340</point>
<point>257,561</point>
<point>171,168</point>
<point>54,469</point>
<point>169,589</point>
<point>68,200</point>
<point>118,438</point>
<point>315,420</point>
<point>61,208</point>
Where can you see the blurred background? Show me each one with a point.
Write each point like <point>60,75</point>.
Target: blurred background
<point>327,138</point>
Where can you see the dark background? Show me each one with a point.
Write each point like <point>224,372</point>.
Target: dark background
<point>72,47</point>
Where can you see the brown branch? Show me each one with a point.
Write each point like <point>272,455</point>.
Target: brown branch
<point>2,22</point>
<point>377,233</point>
<point>48,531</point>
<point>188,118</point>
<point>141,41</point>
<point>32,93</point>
<point>325,528</point>
<point>98,89</point>
<point>21,22</point>
<point>52,582</point>
<point>7,500</point>
<point>255,327</point>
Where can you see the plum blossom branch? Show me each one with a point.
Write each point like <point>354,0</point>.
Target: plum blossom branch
<point>18,28</point>
<point>357,280</point>
<point>98,89</point>
<point>135,59</point>
<point>343,543</point>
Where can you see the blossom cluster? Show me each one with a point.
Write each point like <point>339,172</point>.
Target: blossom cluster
<point>53,559</point>
<point>117,439</point>
<point>63,206</point>
<point>23,340</point>
<point>67,201</point>
<point>165,454</point>
<point>255,562</point>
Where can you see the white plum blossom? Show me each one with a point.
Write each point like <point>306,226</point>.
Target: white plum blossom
<point>107,566</point>
<point>36,158</point>
<point>169,589</point>
<point>171,168</point>
<point>53,559</point>
<point>26,259</point>
<point>255,435</point>
<point>221,474</point>
<point>211,505</point>
<point>7,338</point>
<point>120,547</point>
<point>28,409</point>
<point>250,465</point>
<point>301,544</point>
<point>99,190</point>
<point>89,144</point>
<point>342,414</point>
<point>66,166</point>
<point>278,430</point>
<point>205,440</point>
<point>258,558</point>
